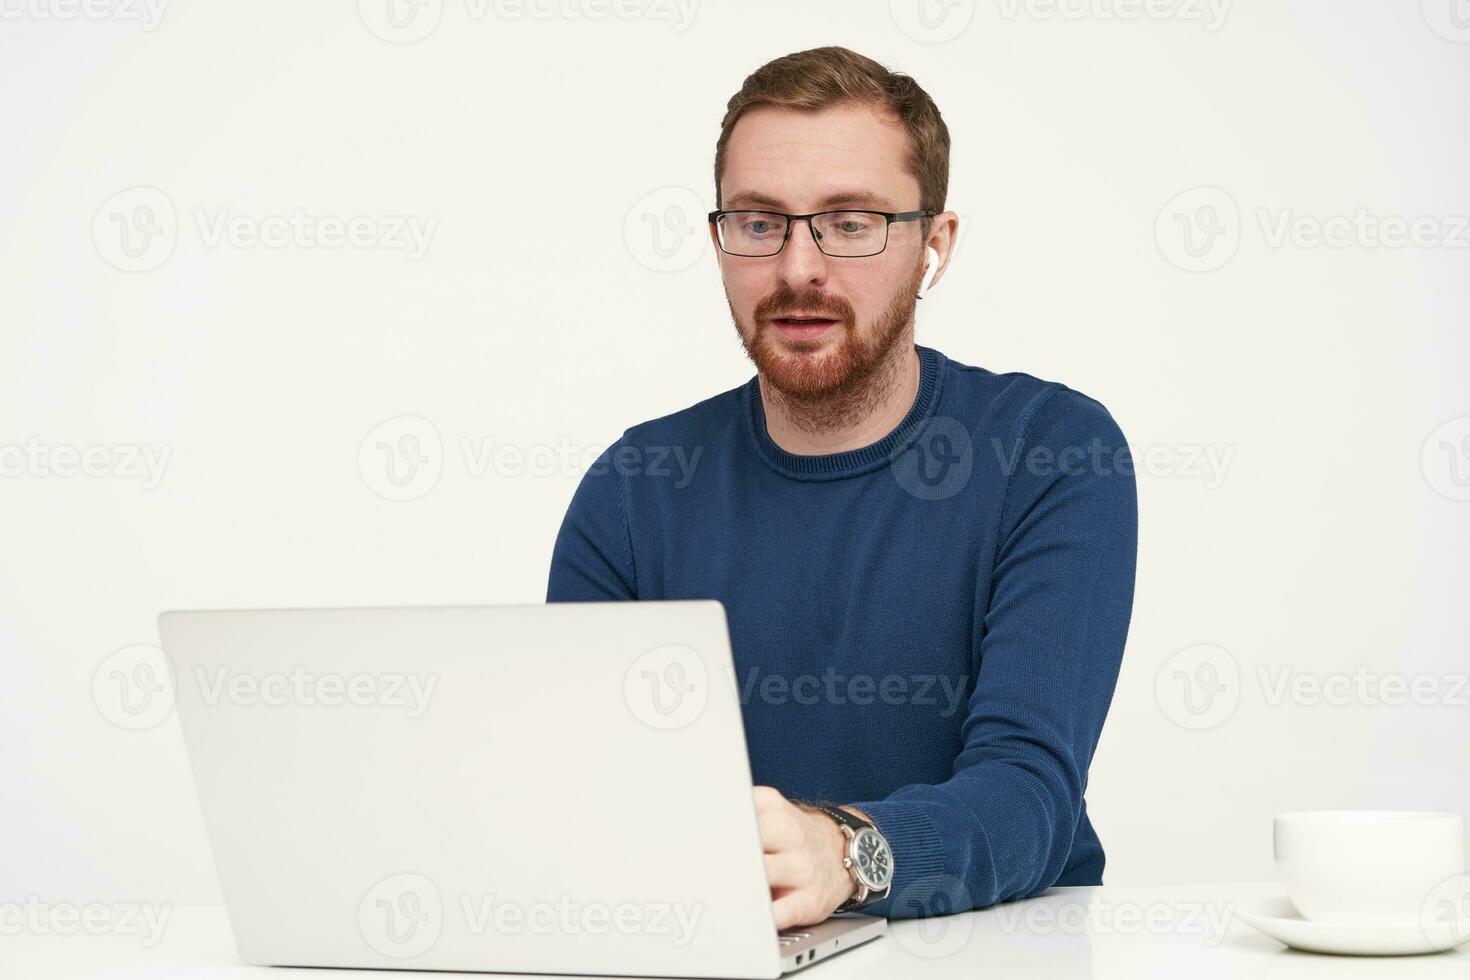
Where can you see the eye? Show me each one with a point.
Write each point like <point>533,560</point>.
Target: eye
<point>758,225</point>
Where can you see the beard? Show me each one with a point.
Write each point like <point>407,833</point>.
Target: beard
<point>820,382</point>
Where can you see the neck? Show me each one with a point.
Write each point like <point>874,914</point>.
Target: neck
<point>845,420</point>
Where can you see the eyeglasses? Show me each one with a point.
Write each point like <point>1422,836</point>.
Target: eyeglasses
<point>840,234</point>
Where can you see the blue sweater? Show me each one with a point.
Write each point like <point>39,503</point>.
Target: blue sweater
<point>928,628</point>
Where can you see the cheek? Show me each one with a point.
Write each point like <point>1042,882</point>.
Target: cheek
<point>746,284</point>
<point>871,291</point>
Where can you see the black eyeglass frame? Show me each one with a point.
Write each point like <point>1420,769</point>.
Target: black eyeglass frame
<point>889,217</point>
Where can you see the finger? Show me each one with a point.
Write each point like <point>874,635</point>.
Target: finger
<point>797,908</point>
<point>786,870</point>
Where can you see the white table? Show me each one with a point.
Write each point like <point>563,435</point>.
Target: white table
<point>1113,931</point>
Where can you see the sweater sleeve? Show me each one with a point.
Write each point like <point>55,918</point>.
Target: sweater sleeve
<point>1001,826</point>
<point>593,556</point>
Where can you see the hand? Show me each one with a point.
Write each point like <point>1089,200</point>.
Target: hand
<point>804,849</point>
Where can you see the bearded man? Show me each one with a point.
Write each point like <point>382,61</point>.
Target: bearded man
<point>927,567</point>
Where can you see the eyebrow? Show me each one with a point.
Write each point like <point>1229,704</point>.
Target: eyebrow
<point>864,199</point>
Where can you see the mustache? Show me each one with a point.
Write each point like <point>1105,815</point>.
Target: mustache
<point>787,300</point>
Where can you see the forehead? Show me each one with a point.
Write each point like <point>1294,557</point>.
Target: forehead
<point>803,160</point>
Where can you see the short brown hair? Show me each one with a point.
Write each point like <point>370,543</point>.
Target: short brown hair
<point>825,77</point>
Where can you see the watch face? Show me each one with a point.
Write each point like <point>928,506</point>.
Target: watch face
<point>873,859</point>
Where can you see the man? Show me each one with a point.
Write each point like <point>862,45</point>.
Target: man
<point>927,567</point>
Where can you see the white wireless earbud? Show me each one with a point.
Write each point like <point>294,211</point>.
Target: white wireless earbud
<point>931,268</point>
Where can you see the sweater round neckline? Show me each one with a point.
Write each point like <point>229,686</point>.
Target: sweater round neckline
<point>852,462</point>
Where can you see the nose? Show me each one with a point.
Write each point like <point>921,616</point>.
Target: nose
<point>801,261</point>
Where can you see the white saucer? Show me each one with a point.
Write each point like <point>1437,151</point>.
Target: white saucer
<point>1279,919</point>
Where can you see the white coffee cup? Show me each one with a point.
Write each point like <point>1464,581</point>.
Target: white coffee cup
<point>1366,865</point>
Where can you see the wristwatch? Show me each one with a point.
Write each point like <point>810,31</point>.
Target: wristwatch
<point>869,859</point>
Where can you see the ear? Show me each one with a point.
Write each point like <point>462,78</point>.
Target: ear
<point>943,233</point>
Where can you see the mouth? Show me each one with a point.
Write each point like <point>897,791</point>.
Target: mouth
<point>803,327</point>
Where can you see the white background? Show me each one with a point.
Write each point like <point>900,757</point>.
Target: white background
<point>545,312</point>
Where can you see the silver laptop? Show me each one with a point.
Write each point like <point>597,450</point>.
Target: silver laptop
<point>557,788</point>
